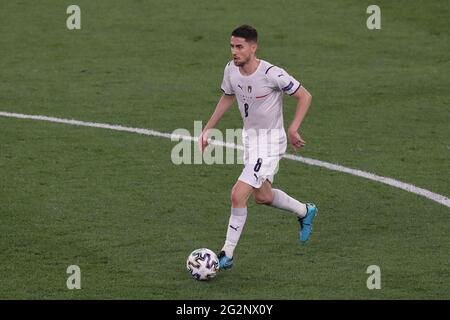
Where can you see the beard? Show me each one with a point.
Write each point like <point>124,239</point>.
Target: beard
<point>241,63</point>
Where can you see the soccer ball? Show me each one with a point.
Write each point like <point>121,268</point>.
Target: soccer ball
<point>202,264</point>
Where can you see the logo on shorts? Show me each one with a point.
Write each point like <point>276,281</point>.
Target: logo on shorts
<point>249,88</point>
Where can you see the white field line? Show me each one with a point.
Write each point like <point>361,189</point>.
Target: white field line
<point>389,181</point>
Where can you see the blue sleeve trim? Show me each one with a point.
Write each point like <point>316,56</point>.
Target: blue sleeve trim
<point>288,87</point>
<point>299,85</point>
<point>227,94</point>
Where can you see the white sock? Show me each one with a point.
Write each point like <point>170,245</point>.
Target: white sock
<point>282,201</point>
<point>235,226</point>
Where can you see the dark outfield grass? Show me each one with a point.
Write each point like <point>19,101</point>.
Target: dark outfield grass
<point>114,204</point>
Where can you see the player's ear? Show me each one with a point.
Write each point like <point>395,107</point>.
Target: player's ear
<point>253,46</point>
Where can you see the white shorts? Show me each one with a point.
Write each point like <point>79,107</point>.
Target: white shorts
<point>256,172</point>
<point>261,163</point>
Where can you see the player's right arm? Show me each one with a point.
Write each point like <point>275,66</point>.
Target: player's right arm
<point>225,102</point>
<point>223,105</point>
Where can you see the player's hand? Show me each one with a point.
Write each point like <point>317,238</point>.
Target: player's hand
<point>295,140</point>
<point>203,141</point>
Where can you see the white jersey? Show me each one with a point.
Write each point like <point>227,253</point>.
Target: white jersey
<point>260,97</point>
<point>260,101</point>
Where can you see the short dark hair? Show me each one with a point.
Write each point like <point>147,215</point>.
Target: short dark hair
<point>247,32</point>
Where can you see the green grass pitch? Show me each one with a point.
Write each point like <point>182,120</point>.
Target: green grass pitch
<point>114,204</point>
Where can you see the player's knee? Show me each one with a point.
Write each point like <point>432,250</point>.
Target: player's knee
<point>236,198</point>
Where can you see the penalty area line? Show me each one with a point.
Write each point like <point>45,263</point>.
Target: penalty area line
<point>313,162</point>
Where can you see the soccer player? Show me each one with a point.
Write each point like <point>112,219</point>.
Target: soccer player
<point>258,87</point>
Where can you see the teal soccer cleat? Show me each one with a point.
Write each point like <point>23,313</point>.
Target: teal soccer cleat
<point>224,261</point>
<point>306,222</point>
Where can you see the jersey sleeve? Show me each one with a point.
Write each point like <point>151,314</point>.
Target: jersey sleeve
<point>281,80</point>
<point>226,86</point>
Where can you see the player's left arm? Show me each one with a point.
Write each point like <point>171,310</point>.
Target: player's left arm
<point>303,102</point>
